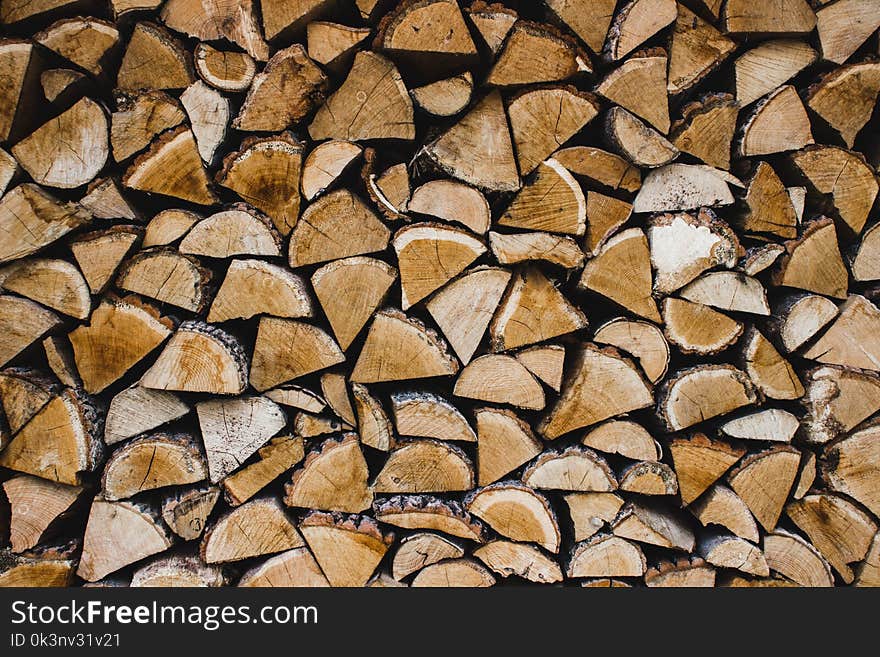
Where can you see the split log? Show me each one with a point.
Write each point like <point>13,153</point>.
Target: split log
<point>843,27</point>
<point>522,560</point>
<point>48,567</point>
<point>23,392</point>
<point>721,506</point>
<point>794,558</point>
<point>22,64</point>
<point>728,290</point>
<point>653,526</point>
<point>589,20</point>
<point>590,512</point>
<point>779,17</point>
<point>641,145</point>
<point>850,467</point>
<point>421,550</point>
<point>639,85</point>
<point>696,49</point>
<point>226,70</point>
<point>208,111</point>
<point>452,573</point>
<point>624,437</point>
<point>727,551</point>
<point>168,276</point>
<point>186,512</point>
<point>605,215</point>
<point>636,22</point>
<point>706,129</point>
<point>772,63</point>
<point>600,167</point>
<point>35,505</point>
<point>770,372</point>
<point>139,118</point>
<point>425,415</point>
<point>574,469</point>
<point>297,397</point>
<point>348,548</point>
<point>802,317</point>
<point>676,187</point>
<point>868,572</point>
<point>501,380</point>
<point>154,60</point>
<point>837,400</point>
<point>276,457</point>
<point>54,283</point>
<point>254,287</point>
<point>294,568</point>
<point>374,427</point>
<point>425,466</point>
<point>391,189</point>
<point>137,410</point>
<point>100,253</point>
<point>696,394</point>
<point>177,571</point>
<point>236,231</point>
<point>700,462</point>
<point>545,362</point>
<point>517,512</point>
<point>552,200</point>
<point>60,360</point>
<point>86,42</point>
<point>698,329</point>
<point>283,20</point>
<point>493,22</point>
<point>764,480</point>
<point>22,323</point>
<point>504,443</point>
<point>649,478</point>
<point>642,340</point>
<point>335,390</point>
<point>682,573</point>
<point>286,349</point>
<point>333,45</point>
<point>325,164</point>
<point>332,478</point>
<point>772,424</point>
<point>233,20</point>
<point>866,263</point>
<point>605,555</point>
<point>813,261</point>
<point>534,53</point>
<point>770,209</point>
<point>452,201</point>
<point>151,462</point>
<point>760,258</point>
<point>845,98</point>
<point>427,512</point>
<point>445,97</point>
<point>761,133</point>
<point>251,530</point>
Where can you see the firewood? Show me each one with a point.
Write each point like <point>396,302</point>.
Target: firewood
<point>59,356</point>
<point>426,415</point>
<point>770,372</point>
<point>254,287</point>
<point>545,362</point>
<point>605,555</point>
<point>177,571</point>
<point>504,442</point>
<point>335,390</point>
<point>151,462</point>
<point>522,560</point>
<point>589,20</point>
<point>845,98</point>
<point>233,429</point>
<point>465,573</point>
<point>727,551</point>
<point>591,511</point>
<point>400,348</point>
<point>233,20</point>
<point>641,145</point>
<point>636,22</point>
<point>728,290</point>
<point>333,45</point>
<point>600,167</point>
<point>764,480</point>
<point>640,339</point>
<point>297,397</point>
<point>374,427</point>
<point>706,129</point>
<point>813,261</point>
<point>461,152</point>
<point>120,334</point>
<point>251,530</point>
<point>8,170</point>
<point>289,87</point>
<point>696,49</point>
<point>682,573</point>
<point>208,111</point>
<point>770,209</point>
<point>676,187</point>
<point>372,103</point>
<point>167,276</point>
<point>56,284</point>
<point>137,410</point>
<point>850,467</point>
<point>794,558</point>
<point>286,349</point>
<point>575,469</point>
<point>307,425</point>
<point>118,534</point>
<point>432,513</point>
<point>639,85</point>
<point>623,437</point>
<point>23,392</point>
<point>865,265</point>
<point>140,118</point>
<point>770,64</point>
<point>36,504</point>
<point>760,258</point>
<point>325,164</point>
<point>100,253</point>
<point>696,394</point>
<point>337,225</point>
<point>105,200</point>
<point>785,17</point>
<point>653,526</point>
<point>223,69</point>
<point>844,26</point>
<point>698,329</point>
<point>837,399</point>
<point>425,466</point>
<point>391,189</point>
<point>421,550</point>
<point>721,506</point>
<point>845,176</point>
<point>700,462</point>
<point>86,42</point>
<point>493,22</point>
<point>154,60</point>
<point>773,424</point>
<point>534,53</point>
<point>199,358</point>
<point>236,231</point>
<point>802,317</point>
<point>517,512</point>
<point>840,530</point>
<point>44,567</point>
<point>605,215</point>
<point>761,133</point>
<point>294,568</point>
<point>350,291</point>
<point>60,85</point>
<point>605,583</point>
<point>500,379</point>
<point>621,271</point>
<point>806,476</point>
<point>551,201</point>
<point>171,167</point>
<point>869,572</point>
<point>283,20</point>
<point>22,323</point>
<point>186,511</point>
<point>445,97</point>
<point>348,548</point>
<point>276,457</point>
<point>649,478</point>
<point>69,150</point>
<point>332,478</point>
<point>452,201</point>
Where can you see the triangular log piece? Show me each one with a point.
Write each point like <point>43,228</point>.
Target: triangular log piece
<point>35,505</point>
<point>136,410</point>
<point>725,551</point>
<point>837,399</point>
<point>374,427</point>
<point>186,511</point>
<point>600,167</point>
<point>791,556</point>
<point>348,548</point>
<point>278,456</point>
<point>697,48</point>
<point>500,380</point>
<point>720,506</point>
<point>254,529</point>
<point>255,287</point>
<point>639,85</point>
<point>625,437</point>
<point>696,394</point>
<point>729,291</point>
<point>605,215</point>
<point>325,164</point>
<point>452,201</point>
<point>333,45</point>
<point>139,118</point>
<point>169,226</point>
<point>851,467</point>
<point>493,22</point>
<point>770,372</point>
<point>283,20</point>
<point>591,511</point>
<point>844,26</point>
<point>534,53</point>
<point>168,276</point>
<point>426,415</point>
<point>636,22</point>
<point>425,466</point>
<point>22,323</point>
<point>546,362</point>
<point>432,513</point>
<point>551,200</point>
<point>100,253</point>
<point>700,462</point>
<point>770,209</point>
<point>772,424</point>
<point>706,129</point>
<point>286,349</point>
<point>769,64</point>
<point>209,113</point>
<point>865,264</point>
<point>23,392</point>
<point>559,250</point>
<point>852,339</point>
<point>845,98</point>
<point>335,390</point>
<point>698,329</point>
<point>813,261</point>
<point>589,19</point>
<point>333,477</point>
<point>764,480</point>
<point>777,124</point>
<point>640,339</point>
<point>154,60</point>
<point>517,512</point>
<point>638,143</point>
<point>504,443</point>
<point>85,41</point>
<point>294,568</point>
<point>297,397</point>
<point>653,525</point>
<point>51,282</point>
<point>521,560</point>
<point>445,97</point>
<point>238,230</point>
<point>573,469</point>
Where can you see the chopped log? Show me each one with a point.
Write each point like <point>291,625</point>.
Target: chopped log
<point>591,511</point>
<point>500,379</point>
<point>36,504</point>
<point>639,85</point>
<point>640,339</point>
<point>427,512</point>
<point>251,530</point>
<point>728,290</point>
<point>445,97</point>
<point>770,209</point>
<point>522,560</point>
<point>233,20</point>
<point>845,98</point>
<point>837,399</point>
<point>683,573</point>
<point>696,394</point>
<point>844,26</point>
<point>589,20</point>
<point>333,45</point>
<point>294,568</point>
<point>276,457</point>
<point>768,65</point>
<point>186,511</point>
<point>233,429</point>
<point>465,573</point>
<point>653,526</point>
<point>700,462</point>
<point>517,512</point>
<point>813,261</point>
<point>140,118</point>
<point>706,129</point>
<point>22,63</point>
<point>865,264</point>
<point>605,555</point>
<point>425,466</point>
<point>151,462</point>
<point>60,360</point>
<point>532,311</point>
<point>8,170</point>
<point>721,506</point>
<point>778,17</point>
<point>850,467</point>
<point>504,443</point>
<point>118,534</point>
<point>545,362</point>
<point>772,424</point>
<point>777,124</point>
<point>623,437</point>
<point>534,53</point>
<point>87,42</point>
<point>649,478</point>
<point>100,253</point>
<point>869,572</point>
<point>401,348</point>
<point>297,397</point>
<point>325,164</point>
<point>806,476</point>
<point>794,558</point>
<point>176,571</point>
<point>208,112</point>
<point>621,272</point>
<point>605,215</point>
<point>22,323</point>
<point>137,410</point>
<point>372,103</point>
<point>335,390</point>
<point>696,49</point>
<point>421,550</point>
<point>575,468</point>
<point>307,425</point>
<point>348,548</point>
<point>391,189</point>
<point>802,317</point>
<point>641,145</point>
<point>770,372</point>
<point>46,567</point>
<point>698,329</point>
<point>199,358</point>
<point>286,349</point>
<point>337,225</point>
<point>426,415</point>
<point>727,551</point>
<point>677,187</point>
<point>226,70</point>
<point>289,87</point>
<point>283,20</point>
<point>154,60</point>
<point>333,477</point>
<point>764,480</point>
<point>760,258</point>
<point>69,150</point>
<point>53,283</point>
<point>236,231</point>
<point>23,392</point>
<point>374,427</point>
<point>493,22</point>
<point>452,201</point>
<point>552,200</point>
<point>845,176</point>
<point>167,276</point>
<point>478,149</point>
<point>172,167</point>
<point>600,167</point>
<point>254,287</point>
<point>636,22</point>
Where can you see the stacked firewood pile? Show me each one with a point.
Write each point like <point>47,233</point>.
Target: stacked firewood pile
<point>349,292</point>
